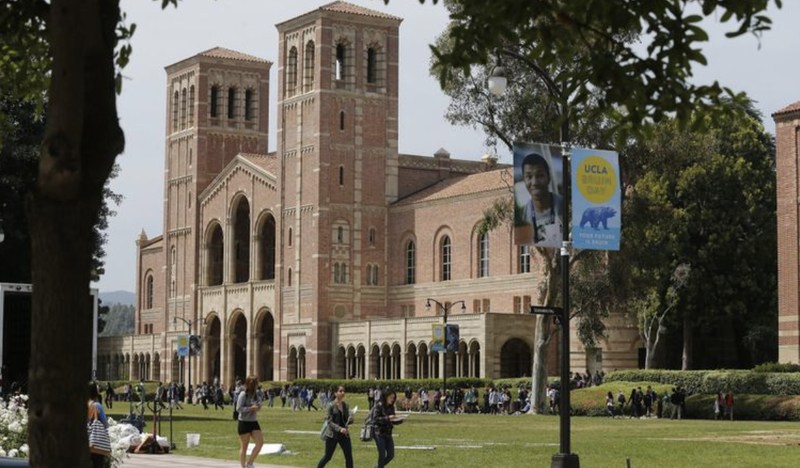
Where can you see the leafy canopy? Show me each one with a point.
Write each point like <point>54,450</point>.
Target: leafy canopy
<point>639,53</point>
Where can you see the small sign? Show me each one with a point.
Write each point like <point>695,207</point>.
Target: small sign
<point>540,310</point>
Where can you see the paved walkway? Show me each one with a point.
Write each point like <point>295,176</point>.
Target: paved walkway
<point>139,460</point>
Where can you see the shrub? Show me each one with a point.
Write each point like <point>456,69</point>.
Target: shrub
<point>713,381</point>
<point>777,367</point>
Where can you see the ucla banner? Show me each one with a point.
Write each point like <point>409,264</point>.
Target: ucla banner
<point>437,340</point>
<point>538,201</point>
<point>596,200</point>
<point>183,345</point>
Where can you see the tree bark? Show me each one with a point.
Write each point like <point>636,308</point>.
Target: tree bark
<point>82,139</point>
<point>687,362</point>
<point>544,332</point>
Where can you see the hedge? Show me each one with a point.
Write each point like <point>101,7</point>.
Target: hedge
<point>398,385</point>
<point>713,381</point>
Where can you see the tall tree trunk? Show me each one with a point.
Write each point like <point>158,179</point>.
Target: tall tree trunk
<point>688,343</point>
<point>544,334</point>
<point>82,139</point>
<point>544,330</point>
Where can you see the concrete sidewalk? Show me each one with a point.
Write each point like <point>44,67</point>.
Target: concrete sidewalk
<point>140,460</point>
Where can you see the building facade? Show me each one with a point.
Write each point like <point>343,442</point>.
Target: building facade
<point>318,260</point>
<point>787,142</point>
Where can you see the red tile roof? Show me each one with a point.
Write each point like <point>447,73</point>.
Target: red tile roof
<point>344,7</point>
<point>221,52</point>
<point>788,109</point>
<point>267,162</point>
<point>464,185</point>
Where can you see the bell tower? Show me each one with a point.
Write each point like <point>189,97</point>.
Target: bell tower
<point>337,147</point>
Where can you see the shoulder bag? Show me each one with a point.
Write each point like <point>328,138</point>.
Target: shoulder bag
<point>99,441</point>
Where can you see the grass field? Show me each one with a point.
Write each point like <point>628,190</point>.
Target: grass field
<point>501,441</point>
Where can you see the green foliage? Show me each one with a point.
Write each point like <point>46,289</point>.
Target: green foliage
<point>777,367</point>
<point>398,385</point>
<point>737,381</point>
<point>119,320</point>
<point>603,40</point>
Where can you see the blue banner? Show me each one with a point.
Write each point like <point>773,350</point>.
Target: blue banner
<point>596,200</point>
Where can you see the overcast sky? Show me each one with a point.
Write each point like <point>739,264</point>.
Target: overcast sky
<point>769,72</point>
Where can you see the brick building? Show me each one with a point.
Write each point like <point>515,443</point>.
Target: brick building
<point>318,260</point>
<point>787,140</point>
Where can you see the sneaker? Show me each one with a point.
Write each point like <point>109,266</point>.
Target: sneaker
<point>249,465</point>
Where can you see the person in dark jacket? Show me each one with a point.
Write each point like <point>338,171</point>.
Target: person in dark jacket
<point>383,420</point>
<point>336,432</point>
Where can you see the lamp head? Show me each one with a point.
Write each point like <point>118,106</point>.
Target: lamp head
<point>427,304</point>
<point>497,81</point>
<point>463,307</point>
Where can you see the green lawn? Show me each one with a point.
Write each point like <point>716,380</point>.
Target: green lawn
<point>508,441</point>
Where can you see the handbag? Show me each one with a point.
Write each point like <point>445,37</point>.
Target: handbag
<point>235,415</point>
<point>366,432</point>
<point>324,428</point>
<point>99,441</point>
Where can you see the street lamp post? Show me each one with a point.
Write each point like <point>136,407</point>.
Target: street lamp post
<point>189,358</point>
<point>445,308</point>
<point>497,85</point>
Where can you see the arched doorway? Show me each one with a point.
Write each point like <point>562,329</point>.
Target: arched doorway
<point>515,359</point>
<point>265,345</point>
<point>241,241</point>
<point>411,362</point>
<point>237,340</point>
<point>215,253</point>
<point>291,364</point>
<point>266,246</point>
<point>211,348</point>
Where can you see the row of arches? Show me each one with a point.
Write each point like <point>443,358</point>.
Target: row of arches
<point>231,261</point>
<point>136,366</point>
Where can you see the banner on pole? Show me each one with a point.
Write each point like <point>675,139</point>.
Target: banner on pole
<point>451,333</point>
<point>538,201</point>
<point>596,200</point>
<point>437,341</point>
<point>183,345</point>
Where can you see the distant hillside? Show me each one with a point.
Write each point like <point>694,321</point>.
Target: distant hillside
<point>119,320</point>
<point>118,297</point>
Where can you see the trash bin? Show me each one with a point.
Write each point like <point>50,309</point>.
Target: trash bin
<point>192,440</point>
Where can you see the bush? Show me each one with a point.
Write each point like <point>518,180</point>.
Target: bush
<point>713,381</point>
<point>398,385</point>
<point>777,367</point>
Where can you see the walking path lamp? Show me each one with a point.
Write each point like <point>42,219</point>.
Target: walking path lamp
<point>497,83</point>
<point>445,309</point>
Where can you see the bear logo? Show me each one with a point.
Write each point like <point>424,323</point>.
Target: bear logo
<point>597,215</point>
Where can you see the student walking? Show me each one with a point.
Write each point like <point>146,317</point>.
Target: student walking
<point>384,419</point>
<point>335,432</point>
<point>248,406</point>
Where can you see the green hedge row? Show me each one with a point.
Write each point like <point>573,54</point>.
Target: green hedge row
<point>592,402</point>
<point>398,385</point>
<point>713,381</point>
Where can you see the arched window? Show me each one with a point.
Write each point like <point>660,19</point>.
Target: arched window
<point>291,72</point>
<point>289,277</point>
<point>183,108</point>
<point>340,234</point>
<point>483,255</point>
<point>341,120</point>
<point>214,104</point>
<point>148,294</point>
<point>372,66</point>
<point>371,236</point>
<point>411,262</point>
<point>341,175</point>
<point>374,275</point>
<point>191,107</point>
<point>308,67</point>
<point>231,103</point>
<point>289,237</point>
<point>175,98</point>
<point>339,68</point>
<point>446,258</point>
<point>248,104</point>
